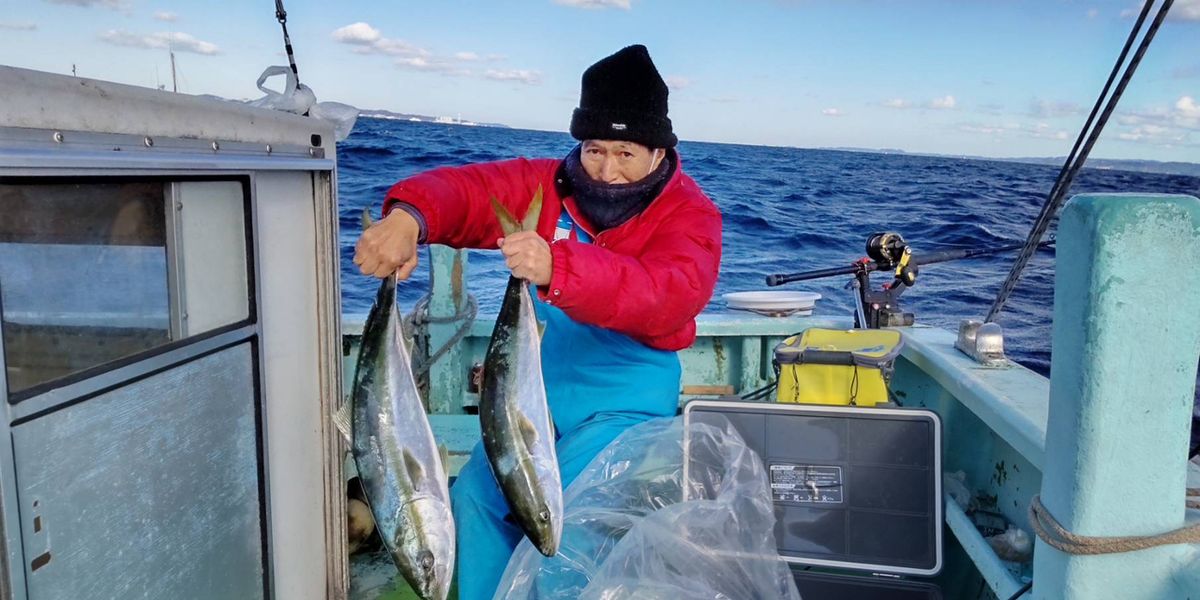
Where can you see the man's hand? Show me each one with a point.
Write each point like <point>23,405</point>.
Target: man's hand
<point>528,256</point>
<point>389,246</point>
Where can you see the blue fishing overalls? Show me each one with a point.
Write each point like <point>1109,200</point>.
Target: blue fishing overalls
<point>598,384</point>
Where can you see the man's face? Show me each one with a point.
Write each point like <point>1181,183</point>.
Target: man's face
<point>610,161</point>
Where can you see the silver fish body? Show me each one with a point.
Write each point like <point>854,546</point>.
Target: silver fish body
<point>518,435</point>
<point>397,459</point>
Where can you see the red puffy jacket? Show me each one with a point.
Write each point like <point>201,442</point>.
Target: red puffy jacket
<point>647,278</point>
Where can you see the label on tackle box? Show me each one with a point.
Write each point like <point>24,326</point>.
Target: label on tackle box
<point>813,484</point>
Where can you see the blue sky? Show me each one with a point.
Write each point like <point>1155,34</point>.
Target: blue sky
<point>991,78</point>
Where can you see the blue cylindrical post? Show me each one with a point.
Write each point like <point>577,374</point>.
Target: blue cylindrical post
<point>1125,345</point>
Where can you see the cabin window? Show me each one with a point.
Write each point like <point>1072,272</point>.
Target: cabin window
<point>94,273</point>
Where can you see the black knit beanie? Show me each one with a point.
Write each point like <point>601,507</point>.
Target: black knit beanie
<point>624,98</point>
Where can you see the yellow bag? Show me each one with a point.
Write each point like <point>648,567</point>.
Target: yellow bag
<point>829,366</point>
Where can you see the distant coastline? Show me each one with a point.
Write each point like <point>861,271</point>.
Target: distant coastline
<point>415,118</point>
<point>1115,164</point>
<point>1134,165</point>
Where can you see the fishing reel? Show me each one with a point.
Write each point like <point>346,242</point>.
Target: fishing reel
<point>886,251</point>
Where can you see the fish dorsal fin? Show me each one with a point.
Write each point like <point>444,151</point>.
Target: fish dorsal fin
<point>416,473</point>
<point>528,431</point>
<point>534,212</point>
<point>508,223</point>
<point>341,420</point>
<point>366,218</point>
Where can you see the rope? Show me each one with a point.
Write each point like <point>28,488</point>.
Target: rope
<point>1053,533</point>
<point>419,317</point>
<point>1072,166</point>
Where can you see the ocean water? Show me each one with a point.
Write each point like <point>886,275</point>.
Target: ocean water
<point>784,210</point>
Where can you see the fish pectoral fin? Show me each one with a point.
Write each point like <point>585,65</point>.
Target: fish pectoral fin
<point>528,432</point>
<point>444,454</point>
<point>534,212</point>
<point>508,223</point>
<point>366,218</point>
<point>541,328</point>
<point>341,420</point>
<point>416,472</point>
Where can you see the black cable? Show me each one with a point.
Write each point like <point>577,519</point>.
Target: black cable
<point>1021,592</point>
<point>1076,160</point>
<point>761,392</point>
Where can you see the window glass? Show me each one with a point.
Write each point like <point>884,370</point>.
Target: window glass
<point>94,272</point>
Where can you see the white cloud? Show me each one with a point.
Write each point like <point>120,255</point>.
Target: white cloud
<point>18,25</point>
<point>985,129</point>
<point>519,75</point>
<point>113,4</point>
<point>1092,13</point>
<point>163,15</point>
<point>357,33</point>
<point>1184,114</point>
<point>162,40</point>
<point>591,4</point>
<point>1037,130</point>
<point>1182,10</point>
<point>1046,109</point>
<point>1188,107</point>
<point>1156,135</point>
<point>943,103</point>
<point>832,112</point>
<point>369,40</point>
<point>897,103</point>
<point>677,82</point>
<point>431,65</point>
<point>1185,10</point>
<point>1044,131</point>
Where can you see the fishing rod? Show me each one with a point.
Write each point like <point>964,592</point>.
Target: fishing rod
<point>924,258</point>
<point>887,251</point>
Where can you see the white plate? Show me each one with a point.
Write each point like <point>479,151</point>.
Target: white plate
<point>773,302</point>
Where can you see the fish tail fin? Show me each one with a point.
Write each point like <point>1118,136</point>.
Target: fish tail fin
<point>529,223</point>
<point>341,420</point>
<point>508,222</point>
<point>366,218</point>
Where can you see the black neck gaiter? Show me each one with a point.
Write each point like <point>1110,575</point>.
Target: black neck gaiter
<point>607,205</point>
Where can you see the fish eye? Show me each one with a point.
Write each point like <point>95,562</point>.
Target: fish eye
<point>427,560</point>
<point>544,514</point>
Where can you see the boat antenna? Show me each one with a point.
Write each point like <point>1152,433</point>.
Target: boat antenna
<point>281,14</point>
<point>1081,149</point>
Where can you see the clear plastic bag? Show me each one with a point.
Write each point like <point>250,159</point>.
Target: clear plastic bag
<point>295,97</point>
<point>300,99</point>
<point>634,527</point>
<point>341,115</point>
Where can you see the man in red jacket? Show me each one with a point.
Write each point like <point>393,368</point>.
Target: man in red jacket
<point>625,256</point>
